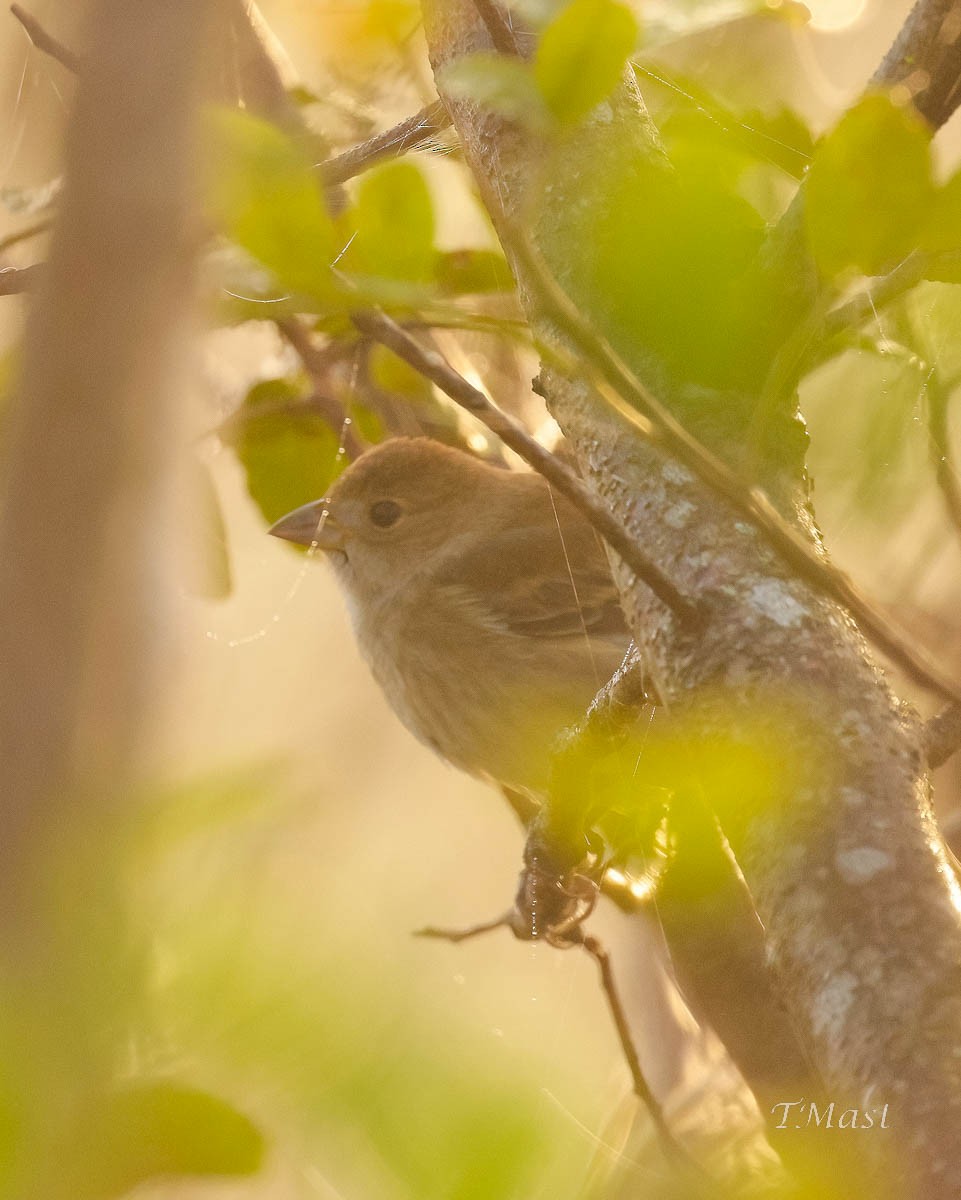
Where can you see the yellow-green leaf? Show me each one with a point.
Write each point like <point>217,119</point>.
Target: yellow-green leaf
<point>869,189</point>
<point>394,222</point>
<point>288,452</point>
<point>263,194</point>
<point>581,56</point>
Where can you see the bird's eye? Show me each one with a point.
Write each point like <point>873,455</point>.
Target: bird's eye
<point>385,513</point>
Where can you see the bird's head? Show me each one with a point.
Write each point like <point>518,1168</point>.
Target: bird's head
<point>398,506</point>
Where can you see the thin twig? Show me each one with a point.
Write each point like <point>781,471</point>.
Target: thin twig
<point>498,27</point>
<point>619,387</point>
<point>575,936</point>
<point>434,367</point>
<point>46,42</point>
<point>925,63</point>
<point>464,935</point>
<point>265,90</point>
<point>862,307</point>
<point>316,365</point>
<point>317,404</point>
<point>259,76</point>
<point>642,1088</point>
<point>392,143</point>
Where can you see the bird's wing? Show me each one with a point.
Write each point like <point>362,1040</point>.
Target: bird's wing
<point>548,580</point>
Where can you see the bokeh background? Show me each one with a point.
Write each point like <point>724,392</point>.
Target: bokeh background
<point>288,833</point>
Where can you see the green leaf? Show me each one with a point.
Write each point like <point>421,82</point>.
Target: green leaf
<point>288,452</point>
<point>933,315</point>
<point>581,56</point>
<point>942,232</point>
<point>263,194</point>
<point>944,267</point>
<point>394,220</point>
<point>469,272</point>
<point>869,189</point>
<point>662,276</point>
<point>505,85</point>
<point>156,1129</point>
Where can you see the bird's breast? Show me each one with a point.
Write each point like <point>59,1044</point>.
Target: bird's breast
<point>489,701</point>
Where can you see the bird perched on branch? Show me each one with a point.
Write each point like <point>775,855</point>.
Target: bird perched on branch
<point>483,602</point>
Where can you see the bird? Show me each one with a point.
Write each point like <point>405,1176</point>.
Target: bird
<point>482,601</point>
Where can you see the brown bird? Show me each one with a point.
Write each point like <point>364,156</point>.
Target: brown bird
<point>482,601</point>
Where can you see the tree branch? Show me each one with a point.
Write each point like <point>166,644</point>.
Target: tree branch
<point>925,63</point>
<point>435,368</point>
<point>259,77</point>
<point>925,60</point>
<point>779,678</point>
<point>46,42</point>
<point>316,366</point>
<point>498,27</point>
<point>392,143</point>
<point>613,380</point>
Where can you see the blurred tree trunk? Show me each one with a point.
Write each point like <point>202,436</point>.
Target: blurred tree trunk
<point>831,823</point>
<point>89,430</point>
<point>81,518</point>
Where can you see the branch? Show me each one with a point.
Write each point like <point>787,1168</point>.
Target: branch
<point>851,916</point>
<point>498,27</point>
<point>261,84</point>
<point>703,906</point>
<point>316,365</point>
<point>434,367</point>
<point>865,305</point>
<point>413,131</point>
<point>566,936</point>
<point>46,42</point>
<point>815,338</point>
<point>925,60</point>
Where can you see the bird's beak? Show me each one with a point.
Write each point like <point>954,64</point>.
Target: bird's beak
<point>310,525</point>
